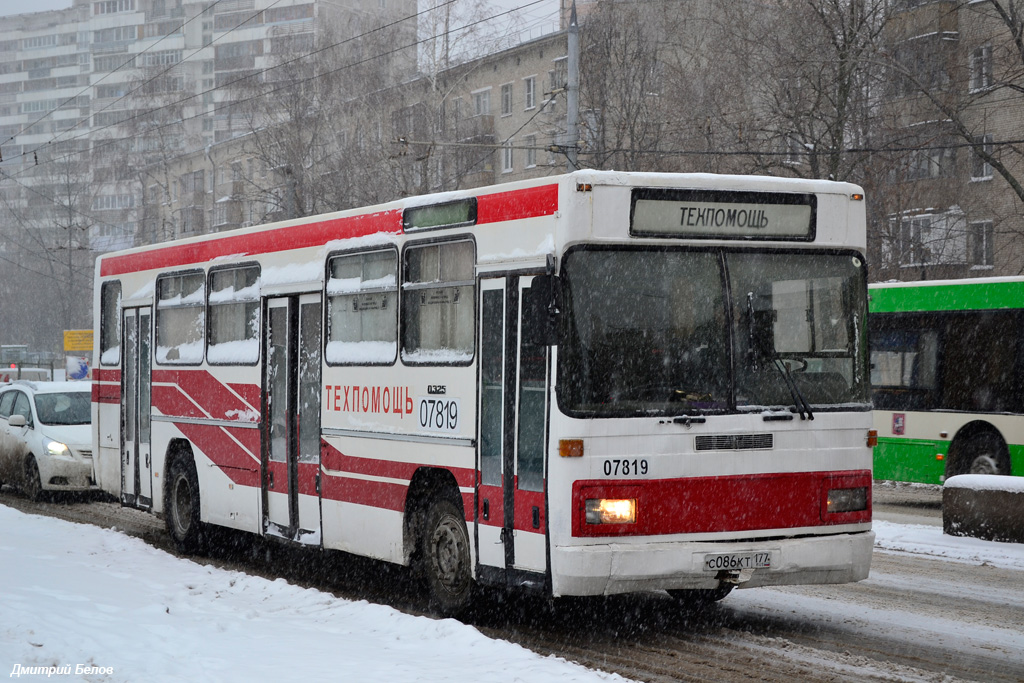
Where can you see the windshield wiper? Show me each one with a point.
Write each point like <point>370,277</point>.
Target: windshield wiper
<point>798,398</point>
<point>755,343</point>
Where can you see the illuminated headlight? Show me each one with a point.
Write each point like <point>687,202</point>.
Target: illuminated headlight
<point>848,500</point>
<point>57,448</point>
<point>611,511</point>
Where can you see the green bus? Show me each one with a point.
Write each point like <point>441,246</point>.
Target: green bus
<point>947,378</point>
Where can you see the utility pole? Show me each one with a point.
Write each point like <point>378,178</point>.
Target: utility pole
<point>572,92</point>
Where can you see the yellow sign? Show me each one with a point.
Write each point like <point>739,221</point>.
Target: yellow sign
<point>78,340</point>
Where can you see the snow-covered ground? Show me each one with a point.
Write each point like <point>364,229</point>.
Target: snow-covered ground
<point>77,595</point>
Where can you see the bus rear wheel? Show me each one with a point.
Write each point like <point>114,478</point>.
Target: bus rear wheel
<point>983,454</point>
<point>445,559</point>
<point>182,507</point>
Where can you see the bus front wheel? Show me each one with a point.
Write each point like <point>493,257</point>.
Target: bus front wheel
<point>445,559</point>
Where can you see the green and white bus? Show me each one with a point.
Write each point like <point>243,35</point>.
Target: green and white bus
<point>947,377</point>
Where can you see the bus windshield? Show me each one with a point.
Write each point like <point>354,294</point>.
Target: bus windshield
<point>663,332</point>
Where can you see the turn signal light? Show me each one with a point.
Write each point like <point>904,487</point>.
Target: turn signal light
<point>570,448</point>
<point>611,510</point>
<point>872,438</point>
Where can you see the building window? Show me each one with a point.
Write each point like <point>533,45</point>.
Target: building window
<point>362,308</point>
<point>530,142</point>
<point>482,102</point>
<point>937,162</point>
<point>112,6</point>
<point>507,157</point>
<point>981,169</point>
<point>982,251</point>
<point>234,314</point>
<point>981,68</point>
<point>530,92</point>
<point>929,239</point>
<point>506,99</point>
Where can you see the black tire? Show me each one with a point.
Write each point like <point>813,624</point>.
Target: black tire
<point>181,508</point>
<point>33,486</point>
<point>445,559</point>
<point>702,597</point>
<point>982,453</point>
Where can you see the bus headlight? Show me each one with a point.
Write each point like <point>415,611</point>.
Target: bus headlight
<point>611,510</point>
<point>57,448</point>
<point>847,500</point>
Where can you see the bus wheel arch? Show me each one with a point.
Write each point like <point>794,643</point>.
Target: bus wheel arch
<point>978,448</point>
<point>437,540</point>
<point>181,498</point>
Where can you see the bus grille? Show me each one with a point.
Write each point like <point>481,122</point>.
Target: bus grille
<point>734,442</point>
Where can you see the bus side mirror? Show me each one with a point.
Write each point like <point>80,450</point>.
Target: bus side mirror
<point>542,309</point>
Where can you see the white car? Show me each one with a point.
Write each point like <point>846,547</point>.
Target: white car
<point>46,436</point>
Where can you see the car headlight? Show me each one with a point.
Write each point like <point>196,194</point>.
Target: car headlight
<point>57,448</point>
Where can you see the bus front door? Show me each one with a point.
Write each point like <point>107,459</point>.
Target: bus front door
<point>511,512</point>
<point>136,461</point>
<point>291,432</point>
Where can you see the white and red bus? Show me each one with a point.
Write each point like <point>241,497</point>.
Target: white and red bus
<point>587,384</point>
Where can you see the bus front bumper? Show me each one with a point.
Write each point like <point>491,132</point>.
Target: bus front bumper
<point>619,567</point>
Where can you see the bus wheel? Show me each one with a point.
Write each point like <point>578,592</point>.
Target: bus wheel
<point>182,507</point>
<point>33,483</point>
<point>702,597</point>
<point>445,559</point>
<point>983,454</point>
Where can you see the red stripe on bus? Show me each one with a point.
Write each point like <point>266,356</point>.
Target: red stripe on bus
<point>333,459</point>
<point>721,504</point>
<point>311,234</point>
<point>239,461</point>
<point>200,388</point>
<point>517,204</point>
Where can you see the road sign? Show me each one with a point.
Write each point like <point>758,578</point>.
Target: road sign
<point>78,340</point>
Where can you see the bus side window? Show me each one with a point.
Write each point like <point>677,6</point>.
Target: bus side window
<point>110,323</point>
<point>234,312</point>
<point>438,304</point>
<point>180,307</point>
<point>362,308</point>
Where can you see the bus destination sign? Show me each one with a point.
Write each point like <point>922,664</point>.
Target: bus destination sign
<point>722,215</point>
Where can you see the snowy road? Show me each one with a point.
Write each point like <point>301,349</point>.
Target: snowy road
<point>935,608</point>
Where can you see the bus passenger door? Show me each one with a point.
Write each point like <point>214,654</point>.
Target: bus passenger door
<point>136,461</point>
<point>530,527</point>
<point>291,436</point>
<point>511,512</point>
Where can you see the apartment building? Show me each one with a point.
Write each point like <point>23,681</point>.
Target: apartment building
<point>947,212</point>
<point>91,94</point>
<point>494,119</point>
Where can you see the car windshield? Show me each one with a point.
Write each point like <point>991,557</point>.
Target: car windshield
<point>679,332</point>
<point>70,408</point>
